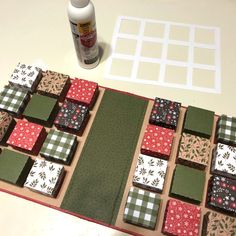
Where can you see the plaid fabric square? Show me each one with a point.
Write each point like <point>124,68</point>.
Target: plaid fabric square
<point>25,77</point>
<point>13,100</point>
<point>142,208</point>
<point>226,130</point>
<point>59,146</point>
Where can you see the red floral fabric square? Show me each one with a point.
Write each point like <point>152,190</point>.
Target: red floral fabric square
<point>181,219</point>
<point>157,141</point>
<point>82,91</point>
<point>25,135</point>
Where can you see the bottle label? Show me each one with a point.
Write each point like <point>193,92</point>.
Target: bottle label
<point>85,40</point>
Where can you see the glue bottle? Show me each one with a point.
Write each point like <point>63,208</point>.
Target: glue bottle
<point>83,26</point>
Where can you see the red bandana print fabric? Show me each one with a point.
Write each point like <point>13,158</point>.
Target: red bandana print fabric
<point>82,91</point>
<point>25,135</point>
<point>181,219</point>
<point>157,141</point>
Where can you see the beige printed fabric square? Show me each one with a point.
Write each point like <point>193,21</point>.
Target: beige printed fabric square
<point>194,150</point>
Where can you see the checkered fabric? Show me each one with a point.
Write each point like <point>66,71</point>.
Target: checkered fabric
<point>12,99</point>
<point>142,208</point>
<point>226,129</point>
<point>58,145</point>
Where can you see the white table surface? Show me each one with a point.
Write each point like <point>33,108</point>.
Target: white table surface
<point>38,32</point>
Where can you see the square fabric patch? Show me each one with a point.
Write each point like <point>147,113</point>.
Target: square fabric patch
<point>194,151</point>
<point>226,130</point>
<point>5,124</point>
<point>83,91</point>
<point>185,186</point>
<point>222,194</point>
<point>53,84</point>
<point>13,100</point>
<point>59,146</point>
<point>157,141</point>
<point>41,109</point>
<point>27,136</point>
<point>25,77</point>
<point>165,113</point>
<point>199,122</point>
<point>45,177</point>
<point>72,117</point>
<point>216,224</point>
<point>224,160</point>
<point>14,167</point>
<point>142,208</point>
<point>181,219</point>
<point>150,173</point>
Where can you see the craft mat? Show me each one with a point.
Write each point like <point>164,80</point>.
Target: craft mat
<point>119,221</point>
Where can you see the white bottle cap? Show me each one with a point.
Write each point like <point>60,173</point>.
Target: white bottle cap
<point>79,3</point>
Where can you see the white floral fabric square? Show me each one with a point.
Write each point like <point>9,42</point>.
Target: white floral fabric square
<point>224,160</point>
<point>45,177</point>
<point>150,173</point>
<point>25,77</point>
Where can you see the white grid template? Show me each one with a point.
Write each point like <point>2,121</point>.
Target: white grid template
<point>163,61</point>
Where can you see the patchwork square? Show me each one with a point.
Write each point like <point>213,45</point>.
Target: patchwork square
<point>41,109</point>
<point>142,208</point>
<point>157,141</point>
<point>25,77</point>
<point>150,173</point>
<point>72,117</point>
<point>224,160</point>
<point>181,219</point>
<point>188,184</point>
<point>27,136</point>
<point>13,100</point>
<point>83,91</point>
<point>53,84</point>
<point>45,177</point>
<point>6,123</point>
<point>59,146</point>
<point>226,130</point>
<point>194,151</point>
<point>199,122</point>
<point>215,224</point>
<point>165,113</point>
<point>14,167</point>
<point>221,194</point>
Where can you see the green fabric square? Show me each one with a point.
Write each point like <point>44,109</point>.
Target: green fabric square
<point>188,183</point>
<point>59,146</point>
<point>142,208</point>
<point>199,122</point>
<point>40,108</point>
<point>14,167</point>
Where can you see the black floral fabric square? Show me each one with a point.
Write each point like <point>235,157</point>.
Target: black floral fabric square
<point>222,194</point>
<point>165,113</point>
<point>72,117</point>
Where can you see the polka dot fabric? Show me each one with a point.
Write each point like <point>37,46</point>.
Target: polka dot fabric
<point>157,141</point>
<point>181,219</point>
<point>82,91</point>
<point>25,135</point>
